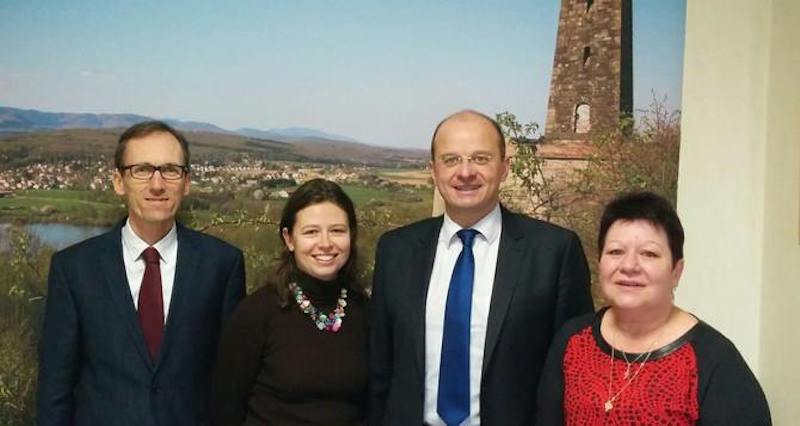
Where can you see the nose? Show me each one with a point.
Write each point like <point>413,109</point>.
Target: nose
<point>156,182</point>
<point>630,263</point>
<point>324,240</point>
<point>465,168</point>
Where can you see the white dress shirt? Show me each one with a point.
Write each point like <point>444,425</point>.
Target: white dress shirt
<point>448,247</point>
<point>132,248</point>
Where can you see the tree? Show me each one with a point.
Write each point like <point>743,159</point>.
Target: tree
<point>639,156</point>
<point>533,187</point>
<point>22,288</point>
<point>633,156</point>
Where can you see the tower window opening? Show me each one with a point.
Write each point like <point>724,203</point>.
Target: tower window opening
<point>583,122</point>
<point>587,53</point>
<point>589,4</point>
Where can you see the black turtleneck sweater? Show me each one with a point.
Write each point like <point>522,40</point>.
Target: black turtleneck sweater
<point>275,367</point>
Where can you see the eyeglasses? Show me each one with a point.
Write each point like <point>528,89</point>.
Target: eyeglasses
<point>146,171</point>
<point>478,159</point>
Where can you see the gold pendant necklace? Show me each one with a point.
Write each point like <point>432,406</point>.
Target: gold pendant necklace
<point>609,404</point>
<point>629,363</point>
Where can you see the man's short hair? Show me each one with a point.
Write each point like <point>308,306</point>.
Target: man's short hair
<point>501,140</point>
<point>147,128</point>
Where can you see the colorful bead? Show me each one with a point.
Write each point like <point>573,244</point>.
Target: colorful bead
<point>328,322</point>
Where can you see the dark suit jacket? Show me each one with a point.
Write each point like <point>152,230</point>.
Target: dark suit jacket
<point>541,281</point>
<point>94,368</point>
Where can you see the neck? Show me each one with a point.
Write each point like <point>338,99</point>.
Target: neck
<point>150,233</point>
<point>324,292</point>
<point>467,218</point>
<point>642,324</point>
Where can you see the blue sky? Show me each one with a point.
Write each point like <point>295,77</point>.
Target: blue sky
<point>383,72</point>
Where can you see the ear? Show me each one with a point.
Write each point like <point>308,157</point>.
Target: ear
<point>187,184</point>
<point>677,271</point>
<point>506,168</point>
<point>287,239</point>
<point>116,179</point>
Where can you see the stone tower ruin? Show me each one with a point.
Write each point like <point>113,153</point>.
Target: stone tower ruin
<point>592,81</point>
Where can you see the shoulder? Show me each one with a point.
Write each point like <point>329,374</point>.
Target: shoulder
<point>516,222</point>
<point>717,356</point>
<point>88,249</point>
<point>576,325</point>
<point>709,342</point>
<point>248,324</point>
<point>257,306</point>
<point>207,242</point>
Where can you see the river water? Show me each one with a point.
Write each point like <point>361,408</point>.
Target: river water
<point>55,235</point>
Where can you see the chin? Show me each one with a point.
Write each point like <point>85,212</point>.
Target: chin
<point>471,199</point>
<point>627,303</point>
<point>324,276</point>
<point>158,220</point>
<point>462,201</point>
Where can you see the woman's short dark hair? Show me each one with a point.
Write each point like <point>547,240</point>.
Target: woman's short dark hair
<point>147,128</point>
<point>649,207</point>
<point>310,193</point>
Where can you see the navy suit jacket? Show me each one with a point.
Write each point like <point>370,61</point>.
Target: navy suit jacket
<point>94,368</point>
<point>541,281</point>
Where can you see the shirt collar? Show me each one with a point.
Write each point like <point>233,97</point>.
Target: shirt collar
<point>133,245</point>
<point>488,226</point>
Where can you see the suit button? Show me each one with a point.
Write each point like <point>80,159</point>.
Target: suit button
<point>156,389</point>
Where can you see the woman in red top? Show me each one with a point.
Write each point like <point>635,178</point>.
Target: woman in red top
<point>642,360</point>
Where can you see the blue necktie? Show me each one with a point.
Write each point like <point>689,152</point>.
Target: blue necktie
<point>453,401</point>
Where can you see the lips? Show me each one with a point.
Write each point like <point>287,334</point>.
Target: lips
<point>467,188</point>
<point>324,258</point>
<point>629,284</point>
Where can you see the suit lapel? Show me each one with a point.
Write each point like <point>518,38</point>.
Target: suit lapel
<point>421,266</point>
<point>505,280</point>
<point>185,269</point>
<point>113,269</point>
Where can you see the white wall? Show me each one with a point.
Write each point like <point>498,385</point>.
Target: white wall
<point>779,363</point>
<point>739,184</point>
<point>721,177</point>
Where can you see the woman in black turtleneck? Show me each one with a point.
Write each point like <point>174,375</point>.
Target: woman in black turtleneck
<point>295,351</point>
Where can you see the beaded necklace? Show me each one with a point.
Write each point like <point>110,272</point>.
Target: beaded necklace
<point>331,321</point>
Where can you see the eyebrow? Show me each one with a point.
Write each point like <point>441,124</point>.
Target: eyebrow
<point>471,153</point>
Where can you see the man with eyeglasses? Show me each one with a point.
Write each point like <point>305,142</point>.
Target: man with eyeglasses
<point>465,305</point>
<point>133,316</point>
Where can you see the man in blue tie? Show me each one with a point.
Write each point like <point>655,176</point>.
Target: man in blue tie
<point>465,305</point>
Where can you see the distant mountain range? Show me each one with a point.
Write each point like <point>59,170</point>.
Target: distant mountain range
<point>291,134</point>
<point>20,127</point>
<point>31,120</point>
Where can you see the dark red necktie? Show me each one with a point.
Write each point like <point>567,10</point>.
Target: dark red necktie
<point>151,302</point>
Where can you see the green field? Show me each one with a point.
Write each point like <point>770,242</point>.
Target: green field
<point>68,206</point>
<point>362,195</point>
<point>104,208</point>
